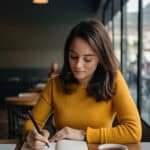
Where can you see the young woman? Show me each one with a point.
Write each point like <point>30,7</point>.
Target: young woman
<point>87,96</point>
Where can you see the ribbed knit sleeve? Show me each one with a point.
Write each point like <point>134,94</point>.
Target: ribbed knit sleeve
<point>129,128</point>
<point>42,110</point>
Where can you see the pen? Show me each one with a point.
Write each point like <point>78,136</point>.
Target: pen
<point>36,126</point>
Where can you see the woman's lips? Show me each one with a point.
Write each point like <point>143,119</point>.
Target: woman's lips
<point>79,71</point>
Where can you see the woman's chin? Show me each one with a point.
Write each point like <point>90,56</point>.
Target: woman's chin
<point>80,78</point>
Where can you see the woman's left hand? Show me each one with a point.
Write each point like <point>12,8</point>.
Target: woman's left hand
<point>68,133</point>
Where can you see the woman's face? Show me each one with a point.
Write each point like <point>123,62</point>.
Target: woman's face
<point>82,59</point>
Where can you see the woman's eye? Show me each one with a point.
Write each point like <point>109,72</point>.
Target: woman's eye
<point>87,59</point>
<point>73,57</point>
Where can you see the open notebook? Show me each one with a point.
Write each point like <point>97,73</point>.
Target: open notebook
<point>65,145</point>
<point>7,146</point>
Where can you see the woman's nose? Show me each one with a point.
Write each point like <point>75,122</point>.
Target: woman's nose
<point>79,63</point>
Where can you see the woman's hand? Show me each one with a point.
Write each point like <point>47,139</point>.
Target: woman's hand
<point>36,141</point>
<point>68,133</point>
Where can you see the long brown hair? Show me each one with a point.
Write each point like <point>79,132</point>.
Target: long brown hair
<point>101,86</point>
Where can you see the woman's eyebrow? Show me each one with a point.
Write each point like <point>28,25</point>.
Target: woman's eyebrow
<point>71,50</point>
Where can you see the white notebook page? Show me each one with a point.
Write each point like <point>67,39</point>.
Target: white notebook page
<point>64,145</point>
<point>71,145</point>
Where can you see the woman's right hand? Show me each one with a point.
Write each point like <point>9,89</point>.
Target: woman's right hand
<point>36,141</point>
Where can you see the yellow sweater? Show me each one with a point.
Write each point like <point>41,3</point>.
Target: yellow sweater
<point>82,112</point>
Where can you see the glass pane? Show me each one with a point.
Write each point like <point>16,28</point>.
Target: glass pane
<point>117,36</point>
<point>145,107</point>
<point>109,25</point>
<point>130,46</point>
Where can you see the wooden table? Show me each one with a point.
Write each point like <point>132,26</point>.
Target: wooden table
<point>140,146</point>
<point>23,100</point>
<point>38,88</point>
<point>17,108</point>
<point>130,146</point>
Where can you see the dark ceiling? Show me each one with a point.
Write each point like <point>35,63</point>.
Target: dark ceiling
<point>57,11</point>
<point>24,25</point>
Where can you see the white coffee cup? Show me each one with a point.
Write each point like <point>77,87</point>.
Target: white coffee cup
<point>112,147</point>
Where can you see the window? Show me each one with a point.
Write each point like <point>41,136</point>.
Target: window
<point>130,48</point>
<point>145,104</point>
<point>109,28</point>
<point>117,36</point>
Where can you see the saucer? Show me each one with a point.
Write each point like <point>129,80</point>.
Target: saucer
<point>112,146</point>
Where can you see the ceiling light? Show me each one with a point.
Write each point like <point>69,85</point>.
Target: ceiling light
<point>40,1</point>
